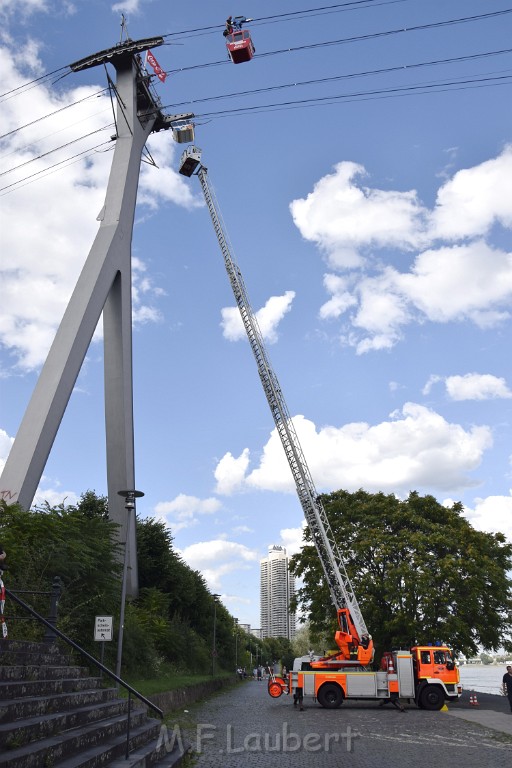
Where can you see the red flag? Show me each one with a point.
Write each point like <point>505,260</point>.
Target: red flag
<point>156,67</point>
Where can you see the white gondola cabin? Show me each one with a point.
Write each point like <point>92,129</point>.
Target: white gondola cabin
<point>183,132</point>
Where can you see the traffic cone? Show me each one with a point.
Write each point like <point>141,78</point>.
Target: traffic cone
<point>471,701</point>
<point>475,701</point>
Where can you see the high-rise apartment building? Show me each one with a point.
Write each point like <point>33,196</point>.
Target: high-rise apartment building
<point>277,587</point>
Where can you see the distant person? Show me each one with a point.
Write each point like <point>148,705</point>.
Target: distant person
<point>229,27</point>
<point>507,685</point>
<point>3,555</point>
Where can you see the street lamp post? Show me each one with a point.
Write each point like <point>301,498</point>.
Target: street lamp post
<point>236,645</point>
<point>129,505</point>
<point>214,648</point>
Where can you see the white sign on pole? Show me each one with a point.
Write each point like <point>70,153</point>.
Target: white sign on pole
<point>103,628</point>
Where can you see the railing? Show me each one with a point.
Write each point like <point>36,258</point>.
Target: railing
<point>54,593</point>
<point>56,632</point>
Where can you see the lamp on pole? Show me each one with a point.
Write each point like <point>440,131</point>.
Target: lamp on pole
<point>214,648</point>
<point>129,505</point>
<point>236,644</point>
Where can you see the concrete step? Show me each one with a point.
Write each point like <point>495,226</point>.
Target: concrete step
<point>41,672</point>
<point>19,709</point>
<point>152,756</point>
<point>40,727</point>
<point>19,689</point>
<point>21,652</point>
<point>85,747</point>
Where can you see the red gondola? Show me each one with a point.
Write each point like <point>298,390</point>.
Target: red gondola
<point>238,41</point>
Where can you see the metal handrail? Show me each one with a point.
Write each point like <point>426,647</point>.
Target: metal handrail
<point>94,661</point>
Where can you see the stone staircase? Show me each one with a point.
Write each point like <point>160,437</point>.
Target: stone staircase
<point>53,714</point>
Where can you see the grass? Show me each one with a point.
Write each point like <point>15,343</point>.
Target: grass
<point>169,680</point>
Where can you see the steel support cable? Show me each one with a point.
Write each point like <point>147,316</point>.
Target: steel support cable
<point>36,81</point>
<point>51,168</point>
<point>329,101</point>
<point>358,38</point>
<point>349,76</point>
<point>55,112</point>
<point>55,149</point>
<point>360,95</point>
<point>355,5</point>
<point>46,136</point>
<point>264,19</point>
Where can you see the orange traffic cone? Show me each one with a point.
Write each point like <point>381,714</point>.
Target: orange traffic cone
<point>471,700</point>
<point>475,701</point>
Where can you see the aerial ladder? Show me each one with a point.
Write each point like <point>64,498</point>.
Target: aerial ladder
<point>352,637</point>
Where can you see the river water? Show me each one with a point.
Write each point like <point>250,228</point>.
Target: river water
<point>485,678</point>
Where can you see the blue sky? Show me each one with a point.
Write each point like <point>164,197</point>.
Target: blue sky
<point>373,230</point>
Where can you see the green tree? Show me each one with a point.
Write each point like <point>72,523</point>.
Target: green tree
<point>80,548</point>
<point>420,571</point>
<point>277,649</point>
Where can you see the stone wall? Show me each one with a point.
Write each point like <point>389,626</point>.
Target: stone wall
<point>181,697</point>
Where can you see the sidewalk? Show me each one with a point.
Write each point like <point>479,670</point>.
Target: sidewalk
<point>491,711</point>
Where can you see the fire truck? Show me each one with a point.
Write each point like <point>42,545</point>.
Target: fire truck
<point>426,674</point>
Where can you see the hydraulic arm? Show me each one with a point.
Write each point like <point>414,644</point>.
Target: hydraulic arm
<point>352,637</point>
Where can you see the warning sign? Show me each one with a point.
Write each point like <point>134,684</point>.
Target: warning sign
<point>103,628</point>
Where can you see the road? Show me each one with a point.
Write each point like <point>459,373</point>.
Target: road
<point>244,726</point>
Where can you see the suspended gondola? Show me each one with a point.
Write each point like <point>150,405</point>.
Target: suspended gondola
<point>239,43</point>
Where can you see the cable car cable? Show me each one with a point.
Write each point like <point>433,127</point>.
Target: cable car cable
<point>87,152</point>
<point>365,73</point>
<point>55,112</point>
<point>283,17</point>
<point>383,92</point>
<point>357,38</point>
<point>36,81</point>
<point>414,90</point>
<point>215,28</point>
<point>56,149</point>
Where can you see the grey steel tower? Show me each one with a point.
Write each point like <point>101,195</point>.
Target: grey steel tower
<point>277,587</point>
<point>104,286</point>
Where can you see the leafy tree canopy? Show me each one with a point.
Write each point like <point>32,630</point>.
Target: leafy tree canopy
<point>420,571</point>
<point>78,546</point>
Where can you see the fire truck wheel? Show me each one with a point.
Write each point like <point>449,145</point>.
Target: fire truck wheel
<point>431,697</point>
<point>330,696</point>
<point>275,690</point>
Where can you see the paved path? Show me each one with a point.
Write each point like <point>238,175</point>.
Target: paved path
<point>244,726</point>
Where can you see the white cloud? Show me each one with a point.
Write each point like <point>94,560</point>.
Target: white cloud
<point>127,6</point>
<point>184,511</point>
<point>54,496</point>
<point>343,217</point>
<point>49,489</point>
<point>469,280</point>
<point>242,529</point>
<point>45,258</point>
<point>268,318</point>
<point>5,446</point>
<point>416,449</point>
<point>492,514</point>
<point>477,386</point>
<point>217,558</point>
<point>163,184</point>
<point>230,472</point>
<point>23,8</point>
<point>474,199</point>
<point>291,539</point>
